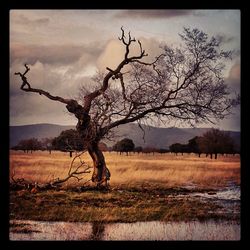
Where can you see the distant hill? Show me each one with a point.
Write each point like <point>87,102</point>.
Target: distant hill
<point>154,136</point>
<point>38,131</point>
<point>163,137</point>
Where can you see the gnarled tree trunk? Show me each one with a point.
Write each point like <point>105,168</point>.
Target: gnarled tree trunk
<point>87,130</point>
<point>101,174</point>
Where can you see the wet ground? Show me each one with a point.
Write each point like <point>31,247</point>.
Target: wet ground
<point>227,199</point>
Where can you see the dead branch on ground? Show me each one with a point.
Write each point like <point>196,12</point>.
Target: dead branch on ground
<point>78,168</point>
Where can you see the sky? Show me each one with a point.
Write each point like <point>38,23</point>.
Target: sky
<point>64,48</point>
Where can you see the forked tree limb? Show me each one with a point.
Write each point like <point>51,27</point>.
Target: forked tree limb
<point>116,72</point>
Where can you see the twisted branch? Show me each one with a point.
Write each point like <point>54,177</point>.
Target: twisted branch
<point>40,91</point>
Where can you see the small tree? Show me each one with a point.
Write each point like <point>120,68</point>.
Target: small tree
<point>125,145</point>
<point>193,145</point>
<point>177,148</point>
<point>138,149</point>
<point>69,141</point>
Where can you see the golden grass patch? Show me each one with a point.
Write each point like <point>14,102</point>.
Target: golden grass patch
<point>163,170</point>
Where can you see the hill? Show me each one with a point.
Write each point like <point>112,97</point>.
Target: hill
<point>38,131</point>
<point>154,136</point>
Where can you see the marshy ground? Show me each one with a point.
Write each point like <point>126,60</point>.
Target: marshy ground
<point>144,188</point>
<point>120,205</point>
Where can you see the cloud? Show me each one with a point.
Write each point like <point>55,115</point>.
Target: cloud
<point>233,121</point>
<point>233,80</point>
<point>154,13</point>
<point>57,80</point>
<point>225,38</point>
<point>53,73</point>
<point>112,55</point>
<point>114,52</point>
<point>21,19</point>
<point>53,54</point>
<point>47,27</point>
<point>26,18</point>
<point>235,71</point>
<point>28,108</point>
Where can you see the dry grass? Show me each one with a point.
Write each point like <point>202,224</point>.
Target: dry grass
<point>166,170</point>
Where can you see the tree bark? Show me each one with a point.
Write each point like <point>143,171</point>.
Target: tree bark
<point>101,174</point>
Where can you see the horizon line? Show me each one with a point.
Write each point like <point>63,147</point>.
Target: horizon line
<point>33,124</point>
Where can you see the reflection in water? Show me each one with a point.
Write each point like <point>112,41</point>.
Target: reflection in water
<point>157,230</point>
<point>97,230</point>
<point>153,230</point>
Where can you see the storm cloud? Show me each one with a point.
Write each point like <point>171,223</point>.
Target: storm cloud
<point>154,13</point>
<point>54,54</point>
<point>35,21</point>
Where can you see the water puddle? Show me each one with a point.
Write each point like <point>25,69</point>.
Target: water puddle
<point>228,200</point>
<point>153,230</point>
<point>231,193</point>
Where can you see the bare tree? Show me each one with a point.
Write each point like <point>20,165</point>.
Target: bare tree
<point>183,84</point>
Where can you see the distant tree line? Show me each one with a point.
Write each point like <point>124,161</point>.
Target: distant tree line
<point>213,142</point>
<point>67,141</point>
<point>33,144</point>
<point>127,146</point>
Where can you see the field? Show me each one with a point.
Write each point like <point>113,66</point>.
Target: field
<point>144,187</point>
<point>133,171</point>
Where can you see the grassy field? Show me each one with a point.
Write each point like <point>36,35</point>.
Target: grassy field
<point>161,170</point>
<point>143,188</point>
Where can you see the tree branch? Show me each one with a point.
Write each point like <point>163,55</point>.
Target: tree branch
<point>39,91</point>
<point>115,74</point>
